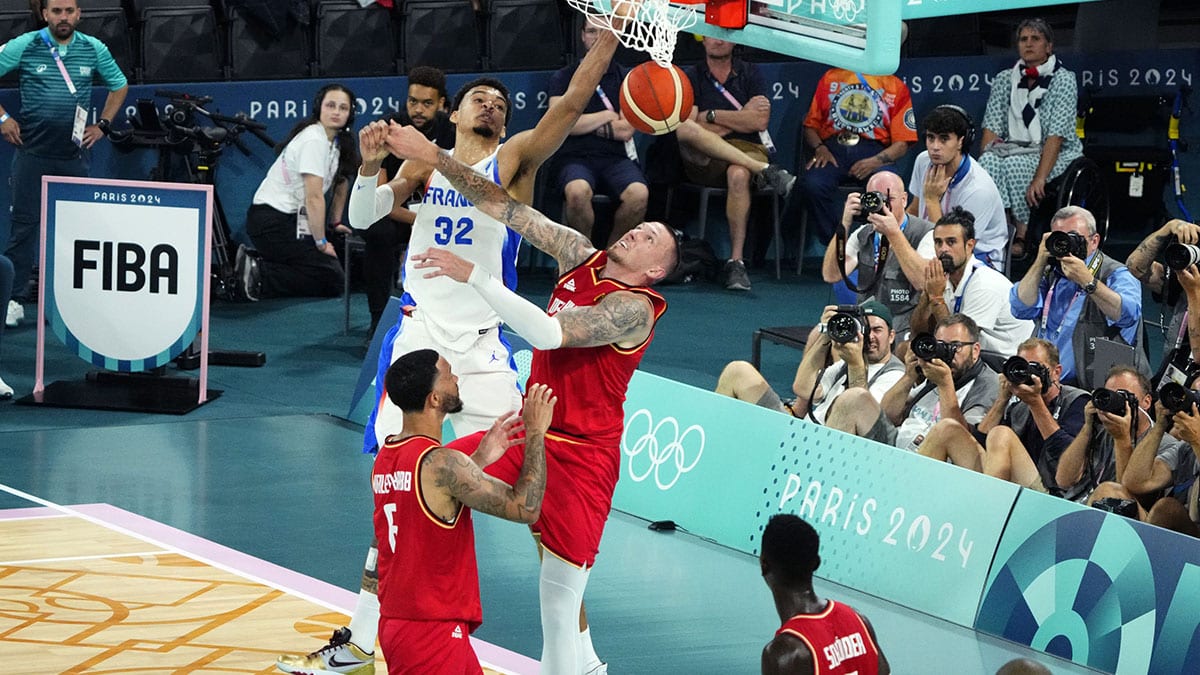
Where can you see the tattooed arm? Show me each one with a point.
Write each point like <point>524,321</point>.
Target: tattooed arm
<point>623,318</point>
<point>456,479</point>
<point>567,246</point>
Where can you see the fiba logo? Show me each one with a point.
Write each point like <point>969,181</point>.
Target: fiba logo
<point>660,449</point>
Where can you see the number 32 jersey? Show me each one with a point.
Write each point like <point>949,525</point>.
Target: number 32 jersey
<point>446,219</point>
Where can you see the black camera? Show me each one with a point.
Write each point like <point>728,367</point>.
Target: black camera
<point>1062,244</point>
<point>1181,256</point>
<point>1121,507</point>
<point>1176,397</point>
<point>847,325</point>
<point>1019,371</point>
<point>1115,402</point>
<point>871,202</point>
<point>928,348</point>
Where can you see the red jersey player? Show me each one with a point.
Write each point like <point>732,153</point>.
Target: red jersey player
<point>818,637</point>
<point>424,494</point>
<point>590,341</point>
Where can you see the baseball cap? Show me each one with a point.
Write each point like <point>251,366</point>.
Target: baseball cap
<point>874,307</point>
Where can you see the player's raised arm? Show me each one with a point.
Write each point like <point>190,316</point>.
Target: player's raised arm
<point>566,245</point>
<point>370,201</point>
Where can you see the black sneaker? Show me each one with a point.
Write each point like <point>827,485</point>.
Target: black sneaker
<point>777,178</point>
<point>247,274</point>
<point>735,276</point>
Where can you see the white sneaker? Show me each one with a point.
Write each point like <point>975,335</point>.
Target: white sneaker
<point>5,390</point>
<point>16,314</point>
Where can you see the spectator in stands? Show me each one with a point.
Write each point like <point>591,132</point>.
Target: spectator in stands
<point>1029,127</point>
<point>910,248</point>
<point>856,125</point>
<point>1159,475</point>
<point>1077,299</point>
<point>50,139</point>
<point>827,368</point>
<point>287,220</point>
<point>945,176</point>
<point>961,389</point>
<point>599,152</point>
<point>956,281</point>
<point>424,108</point>
<point>1022,439</point>
<point>1166,286</point>
<point>731,101</point>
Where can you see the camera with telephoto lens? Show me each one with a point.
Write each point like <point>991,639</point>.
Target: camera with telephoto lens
<point>1181,256</point>
<point>847,325</point>
<point>1177,398</point>
<point>1115,402</point>
<point>871,202</point>
<point>927,348</point>
<point>1061,244</point>
<point>1019,371</point>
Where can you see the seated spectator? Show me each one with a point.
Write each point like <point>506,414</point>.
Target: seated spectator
<point>961,389</point>
<point>827,368</point>
<point>1166,286</point>
<point>956,281</point>
<point>1079,298</point>
<point>1029,134</point>
<point>856,126</point>
<point>910,248</point>
<point>599,153</point>
<point>1022,439</point>
<point>945,176</point>
<point>731,101</point>
<point>1159,472</point>
<point>287,220</point>
<point>386,238</point>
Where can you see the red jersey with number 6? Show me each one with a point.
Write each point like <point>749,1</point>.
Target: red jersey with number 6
<point>838,639</point>
<point>427,568</point>
<point>590,382</point>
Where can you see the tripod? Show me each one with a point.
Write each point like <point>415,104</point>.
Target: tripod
<point>177,137</point>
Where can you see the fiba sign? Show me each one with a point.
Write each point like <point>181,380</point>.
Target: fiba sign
<point>126,269</point>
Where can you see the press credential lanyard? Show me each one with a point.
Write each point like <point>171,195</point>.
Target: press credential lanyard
<point>1043,330</point>
<point>763,135</point>
<point>630,148</point>
<point>80,113</point>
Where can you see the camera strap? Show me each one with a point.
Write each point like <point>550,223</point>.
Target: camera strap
<point>881,256</point>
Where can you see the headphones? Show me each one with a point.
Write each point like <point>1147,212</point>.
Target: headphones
<point>969,139</point>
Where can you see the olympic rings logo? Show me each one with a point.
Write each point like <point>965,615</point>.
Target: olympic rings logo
<point>668,459</point>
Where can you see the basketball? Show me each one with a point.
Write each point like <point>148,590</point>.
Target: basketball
<point>656,100</point>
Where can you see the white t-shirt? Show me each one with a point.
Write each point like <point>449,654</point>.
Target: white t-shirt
<point>982,294</point>
<point>977,193</point>
<point>833,383</point>
<point>310,152</point>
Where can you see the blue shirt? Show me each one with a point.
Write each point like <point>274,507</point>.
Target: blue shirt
<point>1065,306</point>
<point>47,113</point>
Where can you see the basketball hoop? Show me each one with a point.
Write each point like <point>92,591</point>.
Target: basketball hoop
<point>653,30</point>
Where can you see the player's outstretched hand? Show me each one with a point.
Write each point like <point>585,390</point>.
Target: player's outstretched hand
<point>443,263</point>
<point>539,408</point>
<point>406,142</point>
<point>505,432</point>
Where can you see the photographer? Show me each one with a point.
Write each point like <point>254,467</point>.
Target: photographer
<point>956,281</point>
<point>1173,285</point>
<point>852,347</point>
<point>1101,453</point>
<point>1024,438</point>
<point>1076,295</point>
<point>287,220</point>
<point>942,380</point>
<point>909,246</point>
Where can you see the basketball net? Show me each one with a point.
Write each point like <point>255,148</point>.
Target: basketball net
<point>654,29</point>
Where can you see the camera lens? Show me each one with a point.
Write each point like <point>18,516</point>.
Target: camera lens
<point>925,347</point>
<point>1109,401</point>
<point>1058,244</point>
<point>1181,256</point>
<point>1176,397</point>
<point>1016,370</point>
<point>843,328</point>
<point>871,202</point>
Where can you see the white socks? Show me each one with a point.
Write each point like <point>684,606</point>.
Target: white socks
<point>364,624</point>
<point>561,586</point>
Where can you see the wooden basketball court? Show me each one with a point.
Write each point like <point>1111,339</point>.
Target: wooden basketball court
<point>94,589</point>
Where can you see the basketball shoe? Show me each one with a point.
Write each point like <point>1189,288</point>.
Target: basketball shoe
<point>339,657</point>
<point>777,178</point>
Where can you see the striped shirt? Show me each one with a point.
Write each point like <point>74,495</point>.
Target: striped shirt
<point>47,112</point>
